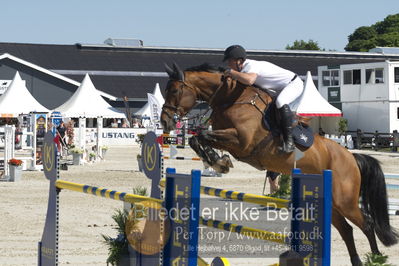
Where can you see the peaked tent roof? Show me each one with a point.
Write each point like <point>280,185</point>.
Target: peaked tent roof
<point>146,110</point>
<point>87,102</point>
<point>312,103</point>
<point>18,100</point>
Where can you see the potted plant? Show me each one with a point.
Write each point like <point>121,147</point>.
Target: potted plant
<point>140,138</point>
<point>70,147</point>
<point>104,150</point>
<point>77,154</point>
<point>118,247</point>
<point>92,156</point>
<point>15,169</point>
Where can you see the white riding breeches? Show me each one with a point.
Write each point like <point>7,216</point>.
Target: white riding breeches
<point>290,93</point>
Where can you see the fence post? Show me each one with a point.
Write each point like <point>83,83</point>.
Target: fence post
<point>358,139</point>
<point>395,142</point>
<point>376,136</point>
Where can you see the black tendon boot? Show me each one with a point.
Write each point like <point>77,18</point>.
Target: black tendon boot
<point>286,124</point>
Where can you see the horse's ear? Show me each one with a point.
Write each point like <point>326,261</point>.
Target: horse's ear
<point>169,70</point>
<point>180,74</point>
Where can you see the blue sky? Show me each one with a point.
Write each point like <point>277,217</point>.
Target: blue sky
<point>205,24</point>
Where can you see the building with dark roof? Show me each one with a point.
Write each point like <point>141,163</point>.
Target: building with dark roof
<point>53,72</point>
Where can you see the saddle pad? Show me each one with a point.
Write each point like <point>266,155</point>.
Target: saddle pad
<point>303,135</point>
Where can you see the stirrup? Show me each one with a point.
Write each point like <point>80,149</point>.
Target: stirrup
<point>287,148</point>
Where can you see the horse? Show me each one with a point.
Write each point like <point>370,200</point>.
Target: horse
<point>237,112</point>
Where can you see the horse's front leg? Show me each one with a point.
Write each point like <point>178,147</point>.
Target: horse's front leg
<point>204,143</point>
<point>209,156</point>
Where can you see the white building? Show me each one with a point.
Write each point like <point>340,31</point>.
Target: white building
<point>367,94</point>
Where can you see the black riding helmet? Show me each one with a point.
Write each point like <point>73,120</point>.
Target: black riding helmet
<point>235,52</point>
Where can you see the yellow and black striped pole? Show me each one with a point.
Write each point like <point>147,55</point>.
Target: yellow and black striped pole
<point>241,196</point>
<point>105,193</point>
<point>245,197</point>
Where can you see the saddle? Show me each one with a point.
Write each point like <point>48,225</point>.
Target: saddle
<point>302,132</point>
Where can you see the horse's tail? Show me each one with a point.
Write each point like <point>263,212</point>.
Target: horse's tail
<point>374,198</point>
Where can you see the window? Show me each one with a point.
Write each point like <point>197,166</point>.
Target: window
<point>370,75</point>
<point>348,77</point>
<point>330,78</point>
<point>374,75</point>
<point>379,75</point>
<point>397,75</point>
<point>356,76</point>
<point>326,78</point>
<point>352,76</point>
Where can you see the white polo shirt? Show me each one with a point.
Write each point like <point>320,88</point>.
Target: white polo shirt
<point>270,76</point>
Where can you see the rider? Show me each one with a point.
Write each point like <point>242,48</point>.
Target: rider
<point>267,76</point>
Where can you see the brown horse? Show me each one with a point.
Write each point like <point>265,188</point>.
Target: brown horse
<point>237,128</point>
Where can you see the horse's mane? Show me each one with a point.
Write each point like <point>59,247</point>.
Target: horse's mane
<point>205,67</point>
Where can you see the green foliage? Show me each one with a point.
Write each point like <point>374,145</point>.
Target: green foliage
<point>376,260</point>
<point>363,33</point>
<point>117,247</point>
<point>140,138</point>
<point>139,190</point>
<point>76,150</point>
<point>342,126</point>
<point>284,190</point>
<point>303,45</point>
<point>383,33</point>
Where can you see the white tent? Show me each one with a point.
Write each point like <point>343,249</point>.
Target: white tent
<point>87,102</point>
<point>312,103</point>
<point>18,100</point>
<point>146,110</point>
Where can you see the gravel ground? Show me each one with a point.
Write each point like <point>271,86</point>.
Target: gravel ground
<point>84,218</point>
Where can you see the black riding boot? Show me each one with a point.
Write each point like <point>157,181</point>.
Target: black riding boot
<point>286,124</point>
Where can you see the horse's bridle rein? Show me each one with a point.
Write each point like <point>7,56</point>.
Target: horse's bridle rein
<point>178,110</point>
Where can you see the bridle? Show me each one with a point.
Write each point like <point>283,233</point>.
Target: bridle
<point>178,111</point>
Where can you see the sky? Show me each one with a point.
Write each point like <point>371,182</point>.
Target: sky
<point>259,24</point>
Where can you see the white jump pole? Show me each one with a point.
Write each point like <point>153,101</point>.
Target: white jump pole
<point>99,141</point>
<point>9,148</point>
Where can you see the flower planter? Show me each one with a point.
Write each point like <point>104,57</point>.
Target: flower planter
<point>103,153</point>
<point>15,173</point>
<point>77,158</point>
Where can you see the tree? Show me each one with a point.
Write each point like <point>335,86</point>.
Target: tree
<point>383,33</point>
<point>303,45</point>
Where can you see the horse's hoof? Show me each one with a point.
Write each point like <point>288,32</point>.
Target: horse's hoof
<point>220,169</point>
<point>227,161</point>
<point>222,165</point>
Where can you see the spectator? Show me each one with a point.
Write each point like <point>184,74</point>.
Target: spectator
<point>124,123</point>
<point>273,181</point>
<point>114,123</point>
<point>61,129</point>
<point>136,123</point>
<point>321,132</point>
